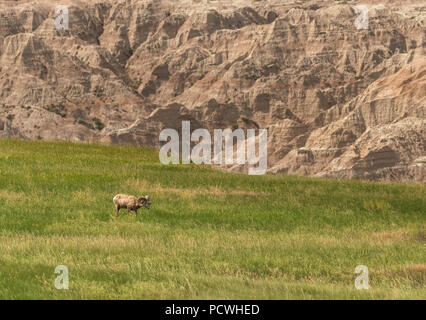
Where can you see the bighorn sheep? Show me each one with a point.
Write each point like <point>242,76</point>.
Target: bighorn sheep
<point>130,202</point>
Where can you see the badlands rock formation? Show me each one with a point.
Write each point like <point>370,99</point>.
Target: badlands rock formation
<point>337,101</point>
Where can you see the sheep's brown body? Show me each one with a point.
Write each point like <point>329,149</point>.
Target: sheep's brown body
<point>124,201</point>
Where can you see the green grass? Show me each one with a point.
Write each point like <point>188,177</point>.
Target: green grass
<point>208,235</point>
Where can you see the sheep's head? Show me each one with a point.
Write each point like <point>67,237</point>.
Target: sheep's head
<point>144,202</point>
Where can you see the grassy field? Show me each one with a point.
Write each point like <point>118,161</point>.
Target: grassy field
<point>208,235</point>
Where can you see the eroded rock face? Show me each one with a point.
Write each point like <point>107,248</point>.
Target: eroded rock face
<point>337,101</point>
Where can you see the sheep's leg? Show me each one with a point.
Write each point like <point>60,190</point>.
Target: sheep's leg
<point>117,208</point>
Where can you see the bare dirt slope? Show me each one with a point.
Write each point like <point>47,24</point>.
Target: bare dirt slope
<point>337,101</point>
